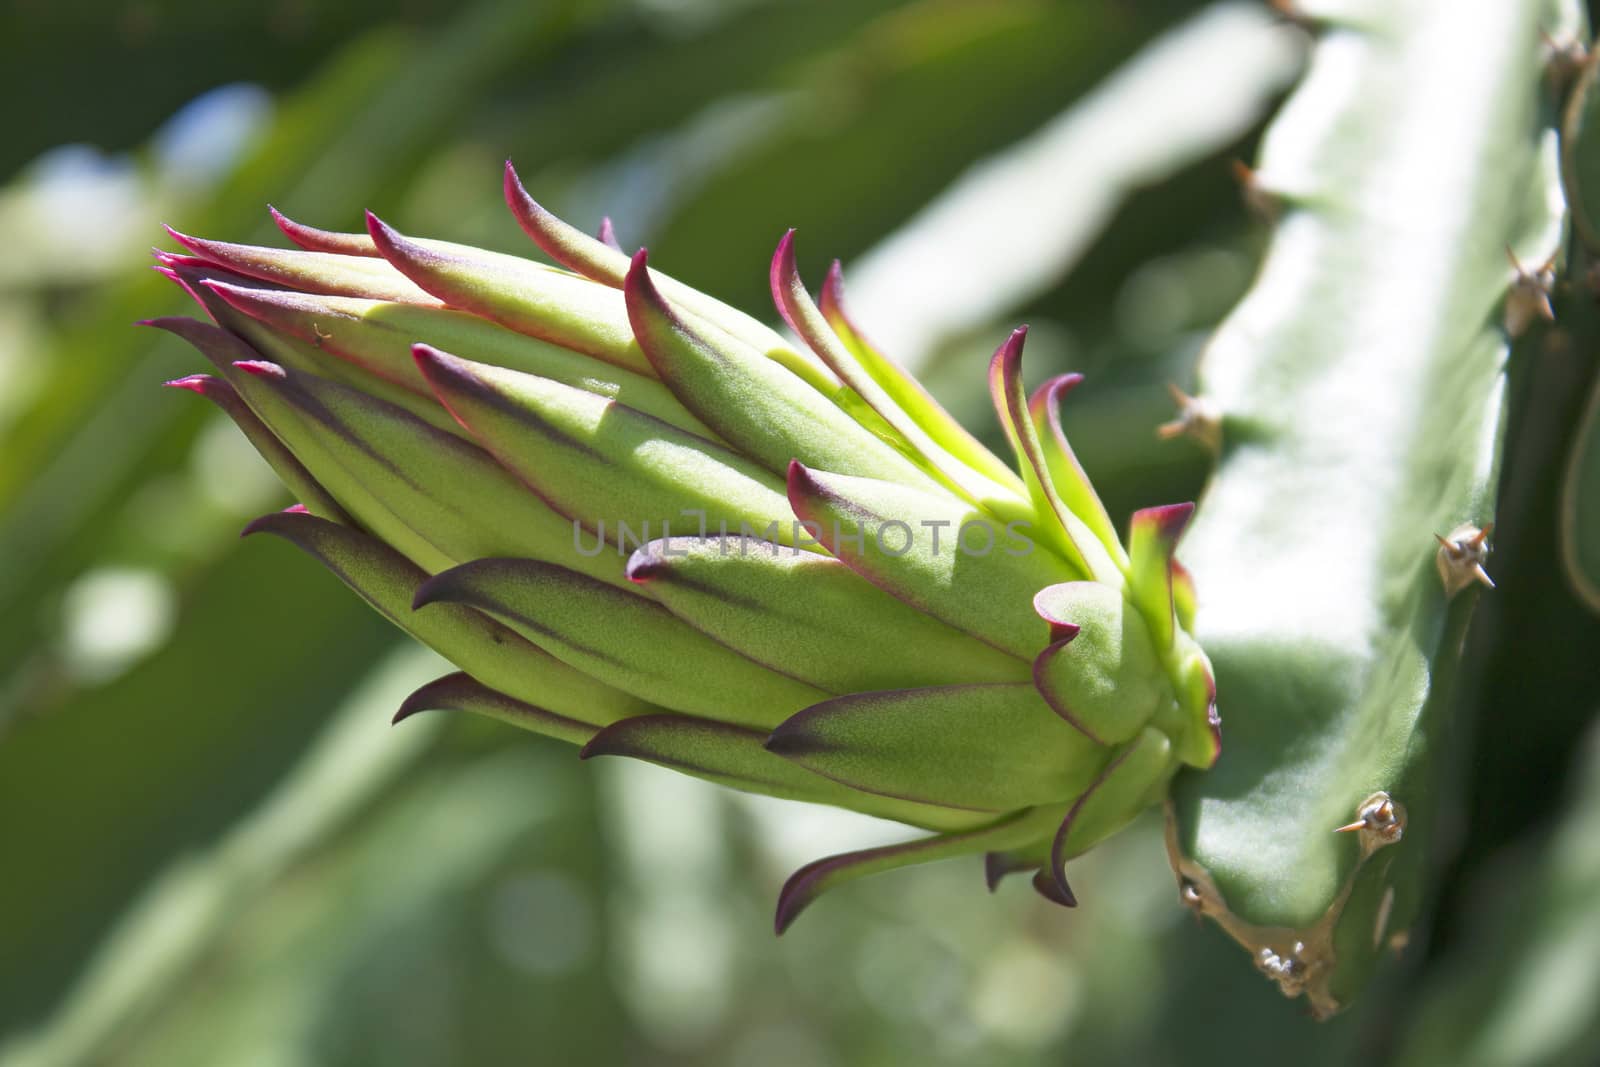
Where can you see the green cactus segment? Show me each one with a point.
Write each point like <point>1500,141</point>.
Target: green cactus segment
<point>735,756</point>
<point>289,470</point>
<point>608,265</point>
<point>1580,507</point>
<point>907,393</point>
<point>1361,389</point>
<point>635,644</point>
<point>527,297</point>
<point>755,404</point>
<point>461,692</point>
<point>1580,153</point>
<point>377,336</point>
<point>811,616</point>
<point>986,747</point>
<point>1071,537</point>
<point>1102,674</point>
<point>602,463</point>
<point>312,272</point>
<point>933,552</point>
<point>811,881</point>
<point>485,649</point>
<point>1065,473</point>
<point>802,313</point>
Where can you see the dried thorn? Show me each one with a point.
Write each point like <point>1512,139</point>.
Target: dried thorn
<point>1197,418</point>
<point>1563,61</point>
<point>1529,296</point>
<point>1290,12</point>
<point>1461,557</point>
<point>1258,200</point>
<point>318,335</point>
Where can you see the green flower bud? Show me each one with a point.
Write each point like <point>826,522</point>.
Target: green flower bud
<point>642,522</point>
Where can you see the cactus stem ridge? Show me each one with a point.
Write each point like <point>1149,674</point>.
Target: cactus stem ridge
<point>1299,960</point>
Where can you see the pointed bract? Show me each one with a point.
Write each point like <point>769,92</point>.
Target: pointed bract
<point>462,692</point>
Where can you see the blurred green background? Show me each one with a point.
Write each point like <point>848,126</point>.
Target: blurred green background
<point>214,850</point>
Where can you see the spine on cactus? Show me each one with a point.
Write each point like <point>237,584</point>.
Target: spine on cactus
<point>644,523</point>
<point>1341,545</point>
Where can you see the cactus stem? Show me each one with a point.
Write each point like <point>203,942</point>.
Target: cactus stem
<point>1529,296</point>
<point>1461,557</point>
<point>1197,418</point>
